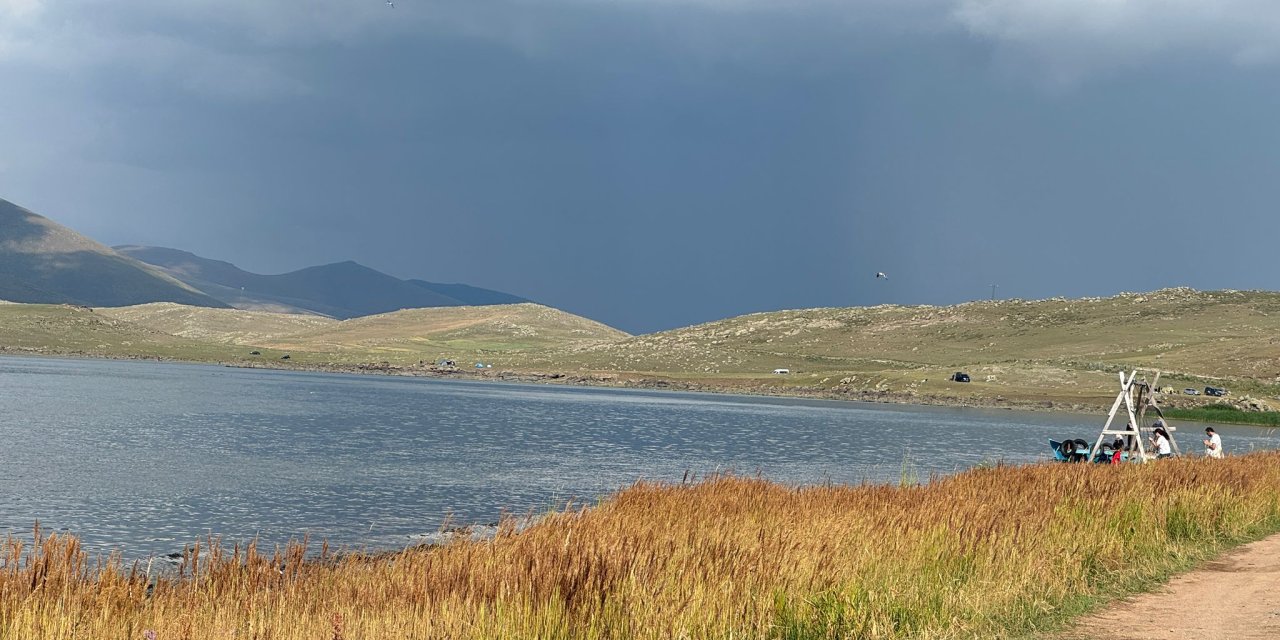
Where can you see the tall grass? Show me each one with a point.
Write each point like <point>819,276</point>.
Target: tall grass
<point>994,552</point>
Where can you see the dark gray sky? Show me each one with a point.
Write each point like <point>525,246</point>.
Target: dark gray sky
<point>657,163</point>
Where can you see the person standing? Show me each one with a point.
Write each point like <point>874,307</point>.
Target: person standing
<point>1160,442</point>
<point>1212,444</point>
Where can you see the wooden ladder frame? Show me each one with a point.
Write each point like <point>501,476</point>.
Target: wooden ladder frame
<point>1145,399</point>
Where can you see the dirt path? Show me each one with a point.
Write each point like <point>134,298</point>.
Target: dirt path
<point>1234,597</point>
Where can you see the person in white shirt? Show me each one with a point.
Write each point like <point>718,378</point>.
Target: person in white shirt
<point>1160,442</point>
<point>1212,444</point>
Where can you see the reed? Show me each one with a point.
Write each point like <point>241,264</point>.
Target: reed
<point>1226,414</point>
<point>993,552</point>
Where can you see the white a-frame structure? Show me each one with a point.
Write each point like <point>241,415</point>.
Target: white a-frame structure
<point>1137,396</point>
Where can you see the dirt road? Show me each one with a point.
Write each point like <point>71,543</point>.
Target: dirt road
<point>1234,597</point>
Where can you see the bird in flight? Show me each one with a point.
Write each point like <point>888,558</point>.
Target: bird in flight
<point>881,274</point>
<point>391,4</point>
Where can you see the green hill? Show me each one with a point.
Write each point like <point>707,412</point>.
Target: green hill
<point>223,326</point>
<point>403,338</point>
<point>1055,350</point>
<point>44,262</point>
<point>72,330</point>
<point>411,335</point>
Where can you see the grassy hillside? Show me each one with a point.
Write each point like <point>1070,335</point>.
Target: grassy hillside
<point>1055,350</point>
<point>407,336</point>
<point>70,330</point>
<point>1050,353</point>
<point>401,338</point>
<point>224,326</point>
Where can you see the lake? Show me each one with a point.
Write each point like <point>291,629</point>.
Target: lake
<point>147,457</point>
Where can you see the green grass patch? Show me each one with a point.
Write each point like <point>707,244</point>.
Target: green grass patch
<point>1226,414</point>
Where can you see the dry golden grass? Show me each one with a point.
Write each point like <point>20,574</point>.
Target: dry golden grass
<point>994,552</point>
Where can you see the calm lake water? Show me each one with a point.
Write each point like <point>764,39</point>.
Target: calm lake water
<point>148,457</point>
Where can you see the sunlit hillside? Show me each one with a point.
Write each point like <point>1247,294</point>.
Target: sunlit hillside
<point>227,326</point>
<point>1053,352</point>
<point>70,330</point>
<point>441,332</point>
<point>1053,349</point>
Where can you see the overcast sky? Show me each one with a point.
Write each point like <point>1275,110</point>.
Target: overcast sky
<point>657,163</point>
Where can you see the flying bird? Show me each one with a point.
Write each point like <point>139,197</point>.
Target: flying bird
<point>881,274</point>
<point>391,4</point>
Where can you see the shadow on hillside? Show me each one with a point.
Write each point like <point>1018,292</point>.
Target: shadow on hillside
<point>85,277</point>
<point>18,224</point>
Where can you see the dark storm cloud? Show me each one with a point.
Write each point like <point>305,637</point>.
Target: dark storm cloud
<point>657,164</point>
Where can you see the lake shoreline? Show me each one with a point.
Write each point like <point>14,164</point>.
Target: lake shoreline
<point>988,529</point>
<point>1000,547</point>
<point>627,380</point>
<point>631,380</point>
<point>658,383</point>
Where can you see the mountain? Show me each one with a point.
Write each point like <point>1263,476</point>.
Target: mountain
<point>346,290</point>
<point>44,262</point>
<point>341,290</point>
<point>469,295</point>
<point>189,266</point>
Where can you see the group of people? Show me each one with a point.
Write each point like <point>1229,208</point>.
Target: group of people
<point>1161,444</point>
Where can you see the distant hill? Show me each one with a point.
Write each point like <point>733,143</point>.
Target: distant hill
<point>64,329</point>
<point>1051,351</point>
<point>493,333</point>
<point>1045,353</point>
<point>341,290</point>
<point>223,326</point>
<point>469,295</point>
<point>44,262</point>
<point>1222,333</point>
<point>444,331</point>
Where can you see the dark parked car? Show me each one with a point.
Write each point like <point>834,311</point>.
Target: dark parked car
<point>1215,391</point>
<point>959,376</point>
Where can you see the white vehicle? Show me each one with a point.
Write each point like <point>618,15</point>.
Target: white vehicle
<point>782,371</point>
